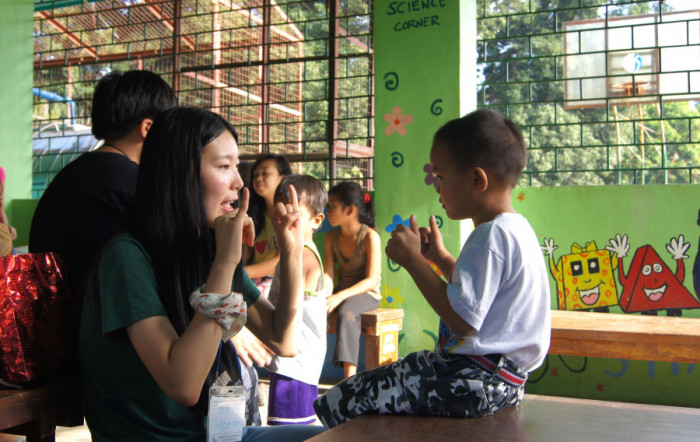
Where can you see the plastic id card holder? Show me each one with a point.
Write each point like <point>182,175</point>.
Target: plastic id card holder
<point>226,413</point>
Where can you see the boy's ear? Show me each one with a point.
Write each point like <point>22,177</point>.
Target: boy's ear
<point>480,177</point>
<point>317,220</point>
<point>144,126</point>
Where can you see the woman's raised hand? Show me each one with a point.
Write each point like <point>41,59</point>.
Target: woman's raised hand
<point>234,229</point>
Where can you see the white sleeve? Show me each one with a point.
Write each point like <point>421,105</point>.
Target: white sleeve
<point>475,282</point>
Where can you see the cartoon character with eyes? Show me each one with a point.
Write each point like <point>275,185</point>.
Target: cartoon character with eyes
<point>585,278</point>
<point>650,285</point>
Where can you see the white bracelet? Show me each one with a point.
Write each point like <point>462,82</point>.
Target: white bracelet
<point>230,311</point>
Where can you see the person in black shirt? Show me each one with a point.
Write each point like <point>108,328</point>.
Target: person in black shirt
<point>84,205</point>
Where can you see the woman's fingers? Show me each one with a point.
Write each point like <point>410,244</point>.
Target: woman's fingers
<point>245,199</point>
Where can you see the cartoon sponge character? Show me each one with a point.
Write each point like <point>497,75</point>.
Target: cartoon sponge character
<point>585,278</point>
<point>650,285</point>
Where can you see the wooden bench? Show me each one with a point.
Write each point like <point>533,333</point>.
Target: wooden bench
<point>605,335</point>
<point>35,412</point>
<point>381,331</point>
<point>625,336</point>
<point>538,418</point>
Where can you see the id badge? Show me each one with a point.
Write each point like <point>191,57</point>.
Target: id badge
<point>226,413</point>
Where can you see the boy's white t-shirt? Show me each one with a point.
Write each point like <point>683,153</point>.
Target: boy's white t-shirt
<point>500,287</point>
<point>307,365</point>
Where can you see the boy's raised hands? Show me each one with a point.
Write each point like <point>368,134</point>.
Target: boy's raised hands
<point>407,245</point>
<point>404,246</point>
<point>286,223</point>
<point>431,245</point>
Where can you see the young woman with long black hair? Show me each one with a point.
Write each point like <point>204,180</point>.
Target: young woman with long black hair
<point>149,346</point>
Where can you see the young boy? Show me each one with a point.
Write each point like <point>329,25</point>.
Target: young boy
<point>494,310</point>
<point>294,381</point>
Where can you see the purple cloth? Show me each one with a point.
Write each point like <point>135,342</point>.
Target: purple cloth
<point>291,402</point>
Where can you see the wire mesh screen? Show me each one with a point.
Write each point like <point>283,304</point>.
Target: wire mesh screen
<point>294,77</point>
<point>605,92</point>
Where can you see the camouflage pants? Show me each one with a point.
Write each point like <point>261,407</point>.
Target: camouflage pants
<point>426,383</point>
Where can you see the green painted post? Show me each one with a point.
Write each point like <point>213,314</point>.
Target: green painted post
<point>425,75</point>
<point>16,67</point>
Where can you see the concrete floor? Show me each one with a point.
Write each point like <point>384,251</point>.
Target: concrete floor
<point>82,434</point>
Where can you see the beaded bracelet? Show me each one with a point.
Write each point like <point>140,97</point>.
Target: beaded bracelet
<point>228,310</point>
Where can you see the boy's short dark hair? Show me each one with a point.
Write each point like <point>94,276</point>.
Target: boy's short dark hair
<point>123,99</point>
<point>309,189</point>
<point>485,138</point>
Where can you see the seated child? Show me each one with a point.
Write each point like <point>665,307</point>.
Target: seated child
<point>354,246</point>
<point>494,310</point>
<point>294,381</point>
<point>260,260</point>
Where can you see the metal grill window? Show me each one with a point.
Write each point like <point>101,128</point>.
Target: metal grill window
<point>605,92</point>
<point>294,77</point>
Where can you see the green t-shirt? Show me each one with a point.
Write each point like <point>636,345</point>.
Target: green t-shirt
<point>121,400</point>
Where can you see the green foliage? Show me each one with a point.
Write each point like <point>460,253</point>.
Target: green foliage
<point>521,64</point>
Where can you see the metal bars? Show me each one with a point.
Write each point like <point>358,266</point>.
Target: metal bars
<point>293,76</point>
<point>604,120</point>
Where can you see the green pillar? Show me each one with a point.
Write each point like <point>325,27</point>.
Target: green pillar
<point>16,66</point>
<point>425,75</point>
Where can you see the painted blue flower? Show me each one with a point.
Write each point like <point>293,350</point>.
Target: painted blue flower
<point>396,221</point>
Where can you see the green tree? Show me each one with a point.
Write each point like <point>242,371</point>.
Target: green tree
<point>521,65</point>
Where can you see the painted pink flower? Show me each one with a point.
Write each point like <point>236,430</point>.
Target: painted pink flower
<point>397,122</point>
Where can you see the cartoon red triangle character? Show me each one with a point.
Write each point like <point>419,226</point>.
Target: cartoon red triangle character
<point>650,285</point>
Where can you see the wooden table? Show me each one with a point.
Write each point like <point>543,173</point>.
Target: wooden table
<point>625,336</point>
<point>538,418</point>
<point>36,411</point>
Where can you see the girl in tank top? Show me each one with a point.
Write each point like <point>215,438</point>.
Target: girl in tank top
<point>354,249</point>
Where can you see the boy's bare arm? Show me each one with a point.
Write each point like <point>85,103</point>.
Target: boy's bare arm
<point>404,248</point>
<point>278,327</point>
<point>329,263</point>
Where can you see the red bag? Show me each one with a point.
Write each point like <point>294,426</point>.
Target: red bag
<point>34,316</point>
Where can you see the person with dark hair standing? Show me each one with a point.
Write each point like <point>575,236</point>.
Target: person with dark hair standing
<point>166,296</point>
<point>494,308</point>
<point>85,203</point>
<point>355,249</point>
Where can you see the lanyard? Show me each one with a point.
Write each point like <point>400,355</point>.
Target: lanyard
<point>235,354</point>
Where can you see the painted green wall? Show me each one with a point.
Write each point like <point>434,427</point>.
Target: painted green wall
<point>424,76</point>
<point>652,216</point>
<point>425,64</point>
<point>429,73</point>
<point>16,66</point>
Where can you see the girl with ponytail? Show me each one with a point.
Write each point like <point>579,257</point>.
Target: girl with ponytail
<point>355,249</point>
